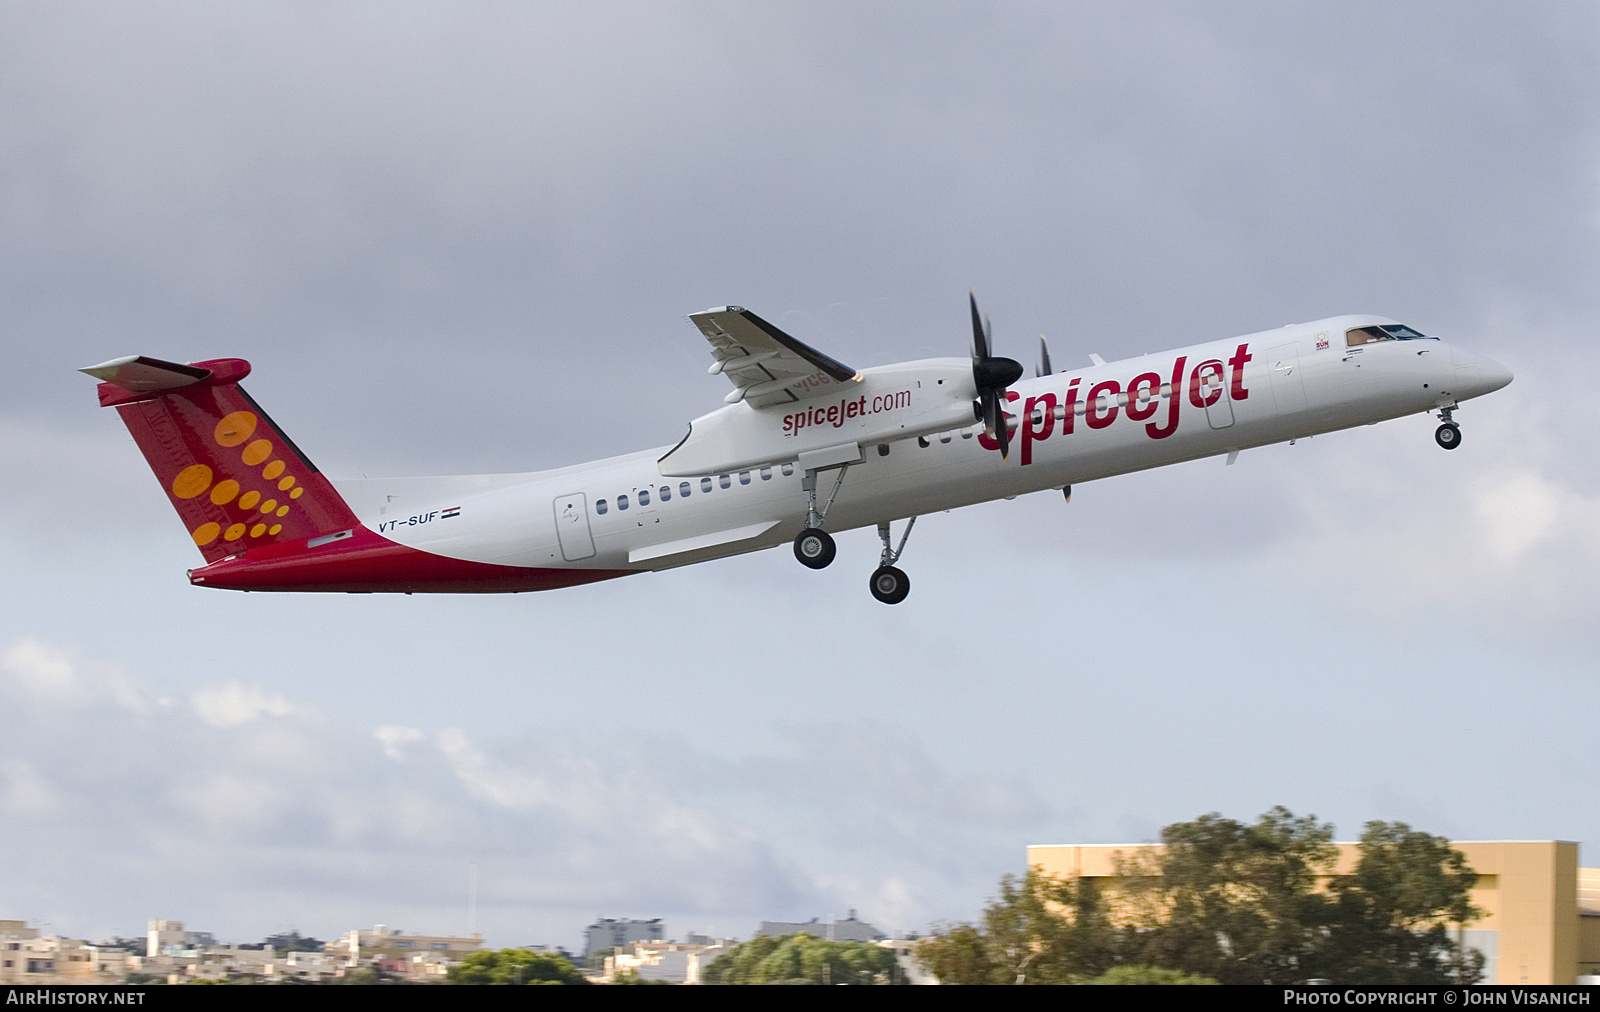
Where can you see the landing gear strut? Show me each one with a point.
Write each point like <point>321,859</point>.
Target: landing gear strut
<point>1447,435</point>
<point>813,546</point>
<point>889,584</point>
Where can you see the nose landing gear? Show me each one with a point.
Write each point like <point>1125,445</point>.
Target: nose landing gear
<point>1447,435</point>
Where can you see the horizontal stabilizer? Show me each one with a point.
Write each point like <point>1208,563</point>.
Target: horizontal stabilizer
<point>139,374</point>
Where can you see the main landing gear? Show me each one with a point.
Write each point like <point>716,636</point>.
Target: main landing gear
<point>1447,435</point>
<point>814,547</point>
<point>888,584</point>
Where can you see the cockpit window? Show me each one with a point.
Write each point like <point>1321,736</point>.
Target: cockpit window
<point>1383,332</point>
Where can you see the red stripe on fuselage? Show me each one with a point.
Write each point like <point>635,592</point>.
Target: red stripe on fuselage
<point>366,563</point>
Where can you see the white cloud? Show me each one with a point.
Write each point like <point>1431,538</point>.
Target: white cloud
<point>44,672</point>
<point>27,795</point>
<point>1519,509</point>
<point>234,704</point>
<point>245,796</point>
<point>395,738</point>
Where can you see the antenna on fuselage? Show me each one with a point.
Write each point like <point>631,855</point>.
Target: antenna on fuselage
<point>1043,368</point>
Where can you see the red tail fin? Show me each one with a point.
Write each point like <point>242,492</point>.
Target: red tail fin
<point>233,476</point>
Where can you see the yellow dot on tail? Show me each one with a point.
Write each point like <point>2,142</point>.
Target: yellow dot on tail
<point>224,492</point>
<point>283,511</point>
<point>248,500</point>
<point>274,529</point>
<point>258,530</point>
<point>206,533</point>
<point>235,428</point>
<point>286,483</point>
<point>272,470</point>
<point>191,481</point>
<point>256,452</point>
<point>269,505</point>
<point>296,493</point>
<point>235,532</point>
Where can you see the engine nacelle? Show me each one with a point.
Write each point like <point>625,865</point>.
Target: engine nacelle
<point>889,403</point>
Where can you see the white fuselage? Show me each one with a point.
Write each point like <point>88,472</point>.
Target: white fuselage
<point>1254,390</point>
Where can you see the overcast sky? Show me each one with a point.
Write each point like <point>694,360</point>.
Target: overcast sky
<point>465,237</point>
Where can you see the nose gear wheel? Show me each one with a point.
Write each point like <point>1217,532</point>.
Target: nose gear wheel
<point>1448,435</point>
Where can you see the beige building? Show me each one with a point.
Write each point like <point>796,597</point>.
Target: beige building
<point>25,958</point>
<point>359,947</point>
<point>1542,912</point>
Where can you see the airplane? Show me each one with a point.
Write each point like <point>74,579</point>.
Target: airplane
<point>804,445</point>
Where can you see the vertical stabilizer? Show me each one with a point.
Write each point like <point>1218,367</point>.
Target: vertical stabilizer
<point>233,476</point>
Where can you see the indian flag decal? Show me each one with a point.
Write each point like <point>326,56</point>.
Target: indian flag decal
<point>452,511</point>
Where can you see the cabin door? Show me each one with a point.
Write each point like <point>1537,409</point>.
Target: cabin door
<point>572,526</point>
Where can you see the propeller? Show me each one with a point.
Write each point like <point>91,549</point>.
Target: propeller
<point>991,375</point>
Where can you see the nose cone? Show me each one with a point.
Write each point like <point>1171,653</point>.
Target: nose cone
<point>1477,375</point>
<point>1494,374</point>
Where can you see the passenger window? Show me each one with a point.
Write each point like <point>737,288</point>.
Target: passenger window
<point>883,449</point>
<point>944,437</point>
<point>788,469</point>
<point>744,477</point>
<point>683,490</point>
<point>600,506</point>
<point>705,484</point>
<point>622,502</point>
<point>724,480</point>
<point>966,433</point>
<point>666,493</point>
<point>766,474</point>
<point>644,496</point>
<point>922,441</point>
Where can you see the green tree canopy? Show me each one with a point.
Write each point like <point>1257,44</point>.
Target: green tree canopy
<point>1040,930</point>
<point>1235,903</point>
<point>802,958</point>
<point>1388,922</point>
<point>515,966</point>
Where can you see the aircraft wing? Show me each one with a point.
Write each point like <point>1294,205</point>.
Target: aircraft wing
<point>766,365</point>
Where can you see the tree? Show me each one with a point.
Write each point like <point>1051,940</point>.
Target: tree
<point>803,958</point>
<point>514,966</point>
<point>1232,901</point>
<point>292,941</point>
<point>1133,973</point>
<point>137,946</point>
<point>1235,903</point>
<point>1389,921</point>
<point>1039,930</point>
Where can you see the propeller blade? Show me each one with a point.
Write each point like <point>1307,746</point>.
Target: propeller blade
<point>980,333</point>
<point>991,375</point>
<point>1044,357</point>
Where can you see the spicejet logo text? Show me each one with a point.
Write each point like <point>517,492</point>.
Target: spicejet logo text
<point>837,414</point>
<point>1140,400</point>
